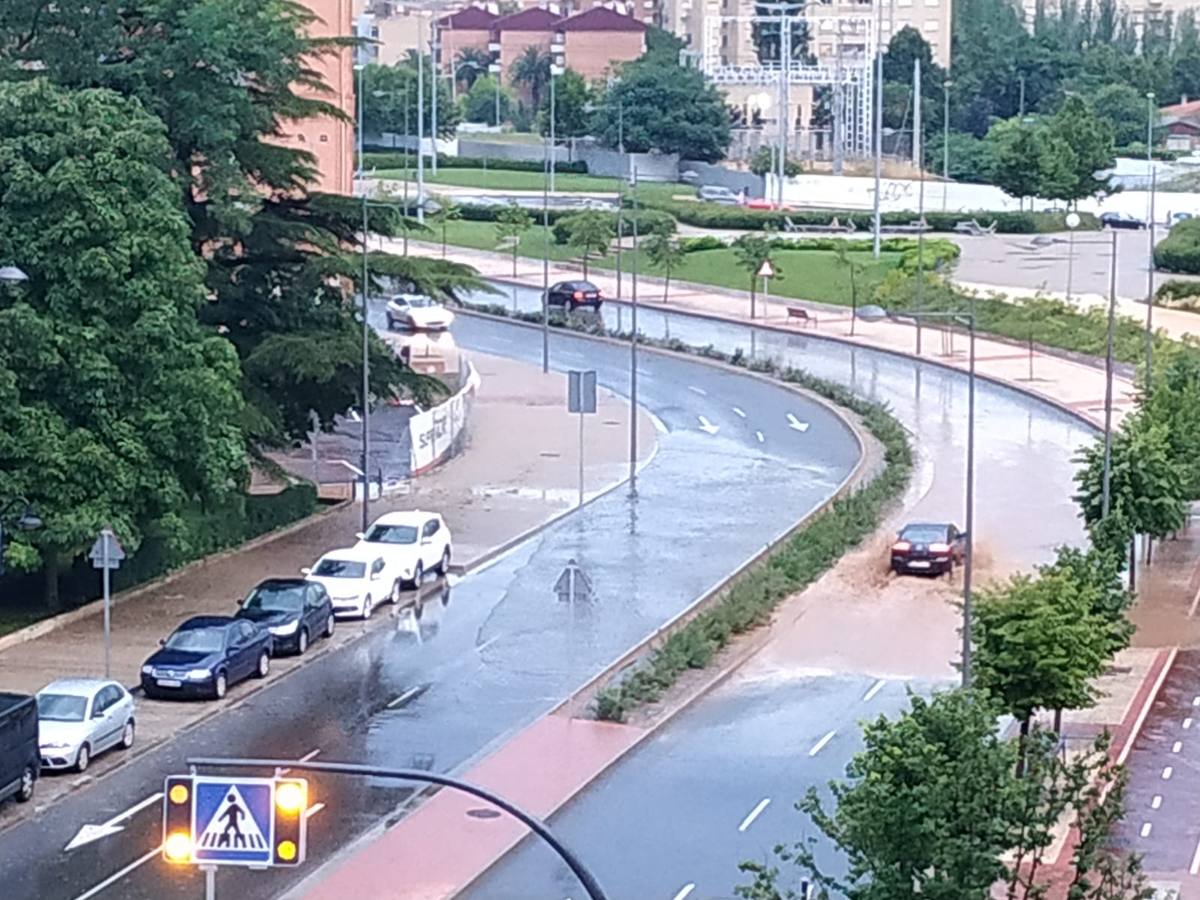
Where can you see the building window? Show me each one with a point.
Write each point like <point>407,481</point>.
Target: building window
<point>324,139</point>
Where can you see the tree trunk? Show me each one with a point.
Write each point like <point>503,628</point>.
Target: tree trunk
<point>50,566</point>
<point>1149,550</point>
<point>514,260</point>
<point>1021,745</point>
<point>1133,562</point>
<point>667,285</point>
<point>585,265</point>
<point>443,240</point>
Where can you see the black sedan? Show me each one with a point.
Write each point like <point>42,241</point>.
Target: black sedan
<point>205,655</point>
<point>294,610</point>
<point>932,549</point>
<point>574,294</point>
<point>1121,220</point>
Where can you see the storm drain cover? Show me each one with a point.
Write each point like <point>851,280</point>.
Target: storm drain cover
<point>483,813</point>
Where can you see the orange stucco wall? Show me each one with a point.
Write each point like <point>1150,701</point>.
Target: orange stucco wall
<point>513,44</point>
<point>593,53</point>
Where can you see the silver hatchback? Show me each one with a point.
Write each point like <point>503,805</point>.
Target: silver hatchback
<point>79,718</point>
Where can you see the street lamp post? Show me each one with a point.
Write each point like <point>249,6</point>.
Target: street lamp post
<point>435,47</point>
<point>633,346</point>
<point>494,69</point>
<point>878,120</point>
<point>26,519</point>
<point>875,314</point>
<point>555,70</point>
<point>945,140</point>
<point>1150,249</point>
<point>1072,221</point>
<point>1105,496</point>
<point>366,327</point>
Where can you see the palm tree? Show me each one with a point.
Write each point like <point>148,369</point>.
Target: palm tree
<point>470,63</point>
<point>532,69</point>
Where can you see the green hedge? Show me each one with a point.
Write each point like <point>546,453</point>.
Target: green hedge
<point>804,557</point>
<point>648,220</point>
<point>711,215</point>
<point>396,160</point>
<point>1179,251</point>
<point>1178,294</point>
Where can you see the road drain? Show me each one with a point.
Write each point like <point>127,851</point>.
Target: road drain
<point>483,813</point>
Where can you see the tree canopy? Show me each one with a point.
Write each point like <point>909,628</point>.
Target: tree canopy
<point>390,99</point>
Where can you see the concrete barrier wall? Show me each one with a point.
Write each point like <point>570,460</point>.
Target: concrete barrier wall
<point>650,166</point>
<point>752,184</point>
<point>483,148</point>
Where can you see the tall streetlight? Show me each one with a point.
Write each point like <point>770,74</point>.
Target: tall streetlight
<point>878,119</point>
<point>364,25</point>
<point>1150,116</point>
<point>1072,221</point>
<point>946,85</point>
<point>1106,491</point>
<point>421,132</point>
<point>633,346</point>
<point>555,71</point>
<point>18,510</point>
<point>876,314</point>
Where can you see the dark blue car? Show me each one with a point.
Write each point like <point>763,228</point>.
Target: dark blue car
<point>205,655</point>
<point>296,611</point>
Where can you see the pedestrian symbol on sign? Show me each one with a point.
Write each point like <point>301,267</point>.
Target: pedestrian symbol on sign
<point>233,821</point>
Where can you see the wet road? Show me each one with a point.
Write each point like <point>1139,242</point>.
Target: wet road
<point>499,650</point>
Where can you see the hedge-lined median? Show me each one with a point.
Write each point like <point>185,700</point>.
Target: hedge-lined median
<point>396,159</point>
<point>1179,251</point>
<point>807,554</point>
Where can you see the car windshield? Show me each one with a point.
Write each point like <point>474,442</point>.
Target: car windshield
<point>277,598</point>
<point>422,303</point>
<point>392,534</point>
<point>197,640</point>
<point>924,534</point>
<point>61,707</point>
<point>340,568</point>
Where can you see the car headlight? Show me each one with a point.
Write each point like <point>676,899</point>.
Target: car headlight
<point>284,630</point>
<point>199,674</point>
<point>147,670</point>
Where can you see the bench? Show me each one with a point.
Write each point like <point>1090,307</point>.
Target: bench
<point>801,314</point>
<point>974,228</point>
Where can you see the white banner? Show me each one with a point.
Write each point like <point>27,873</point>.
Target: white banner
<point>436,431</point>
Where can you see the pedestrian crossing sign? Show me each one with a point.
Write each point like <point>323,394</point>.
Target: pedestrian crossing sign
<point>233,821</point>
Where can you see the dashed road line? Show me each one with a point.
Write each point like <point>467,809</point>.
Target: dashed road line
<point>739,412</point>
<point>874,689</point>
<point>684,891</point>
<point>1177,746</point>
<point>820,745</point>
<point>1195,866</point>
<point>754,813</point>
<point>696,390</point>
<point>1167,772</point>
<point>113,879</point>
<point>1187,723</point>
<point>313,810</point>
<point>1156,802</point>
<point>759,435</point>
<point>1146,827</point>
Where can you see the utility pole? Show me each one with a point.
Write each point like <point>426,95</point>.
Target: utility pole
<point>919,161</point>
<point>1150,249</point>
<point>434,69</point>
<point>878,119</point>
<point>633,349</point>
<point>945,141</point>
<point>420,133</point>
<point>1105,496</point>
<point>546,260</point>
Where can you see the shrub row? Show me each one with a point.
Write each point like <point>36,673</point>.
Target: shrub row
<point>749,601</point>
<point>711,215</point>
<point>648,221</point>
<point>1179,251</point>
<point>1179,294</point>
<point>396,160</point>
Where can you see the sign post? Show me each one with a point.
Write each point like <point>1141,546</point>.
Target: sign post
<point>581,399</point>
<point>106,555</point>
<point>766,271</point>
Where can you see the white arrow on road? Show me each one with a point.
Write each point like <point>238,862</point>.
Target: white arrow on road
<point>708,426</point>
<point>89,833</point>
<point>793,422</point>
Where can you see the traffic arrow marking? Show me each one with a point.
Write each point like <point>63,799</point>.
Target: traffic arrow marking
<point>708,427</point>
<point>89,833</point>
<point>795,423</point>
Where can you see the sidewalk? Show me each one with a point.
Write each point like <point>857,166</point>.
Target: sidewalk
<point>1073,386</point>
<point>519,471</point>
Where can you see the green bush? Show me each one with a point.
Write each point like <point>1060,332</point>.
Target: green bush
<point>648,220</point>
<point>1179,251</point>
<point>699,244</point>
<point>390,159</point>
<point>1179,294</point>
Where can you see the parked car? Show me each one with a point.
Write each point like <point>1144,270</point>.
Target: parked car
<point>205,655</point>
<point>417,312</point>
<point>80,718</point>
<point>1121,220</point>
<point>356,579</point>
<point>293,610</point>
<point>20,760</point>
<point>415,542</point>
<point>1175,218</point>
<point>574,294</point>
<point>931,548</point>
<point>714,193</point>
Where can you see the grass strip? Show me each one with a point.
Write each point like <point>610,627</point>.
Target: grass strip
<point>748,602</point>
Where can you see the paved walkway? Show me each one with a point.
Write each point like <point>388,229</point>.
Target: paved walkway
<point>519,471</point>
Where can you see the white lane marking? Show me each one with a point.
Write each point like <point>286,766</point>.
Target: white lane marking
<point>658,423</point>
<point>112,879</point>
<point>353,468</point>
<point>875,689</point>
<point>708,426</point>
<point>487,643</point>
<point>1195,866</point>
<point>1187,723</point>
<point>497,559</point>
<point>305,758</point>
<point>696,390</point>
<point>1196,701</point>
<point>1177,746</point>
<point>820,745</point>
<point>754,813</point>
<point>759,435</point>
<point>1167,773</point>
<point>313,810</point>
<point>1195,603</point>
<point>684,891</point>
<point>89,833</point>
<point>405,697</point>
<point>740,413</point>
<point>1146,826</point>
<point>795,423</point>
<point>1156,802</point>
<point>355,416</point>
<point>1145,711</point>
<point>153,798</point>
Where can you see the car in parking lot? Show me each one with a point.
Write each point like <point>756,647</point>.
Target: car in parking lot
<point>1121,220</point>
<point>205,656</point>
<point>928,548</point>
<point>20,759</point>
<point>414,541</point>
<point>417,312</point>
<point>574,294</point>
<point>357,579</point>
<point>714,193</point>
<point>80,718</point>
<point>294,610</point>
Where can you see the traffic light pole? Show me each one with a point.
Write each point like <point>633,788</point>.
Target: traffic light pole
<point>210,882</point>
<point>534,824</point>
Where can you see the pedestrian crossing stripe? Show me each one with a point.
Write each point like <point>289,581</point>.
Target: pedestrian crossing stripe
<point>232,822</point>
<point>233,826</point>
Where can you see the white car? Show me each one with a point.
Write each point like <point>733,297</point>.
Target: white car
<point>417,313</point>
<point>356,580</point>
<point>80,718</point>
<point>414,541</point>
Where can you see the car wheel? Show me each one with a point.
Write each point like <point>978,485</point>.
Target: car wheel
<point>391,323</point>
<point>127,735</point>
<point>443,568</point>
<point>220,686</point>
<point>83,758</point>
<point>596,307</point>
<point>264,665</point>
<point>367,608</point>
<point>329,626</point>
<point>25,791</point>
<point>394,596</point>
<point>418,576</point>
<point>302,642</point>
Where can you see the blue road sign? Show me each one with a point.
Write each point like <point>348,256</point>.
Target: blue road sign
<point>233,821</point>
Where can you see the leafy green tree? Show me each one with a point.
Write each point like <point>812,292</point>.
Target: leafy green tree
<point>531,70</point>
<point>511,224</point>
<point>116,408</point>
<point>1091,141</point>
<point>1174,403</point>
<point>1124,108</point>
<point>763,161</point>
<point>664,251</point>
<point>751,251</point>
<point>590,231</point>
<point>448,211</point>
<point>1029,160</point>
<point>1097,572</point>
<point>390,99</point>
<point>479,103</point>
<point>573,100</point>
<point>665,107</point>
<point>471,64</point>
